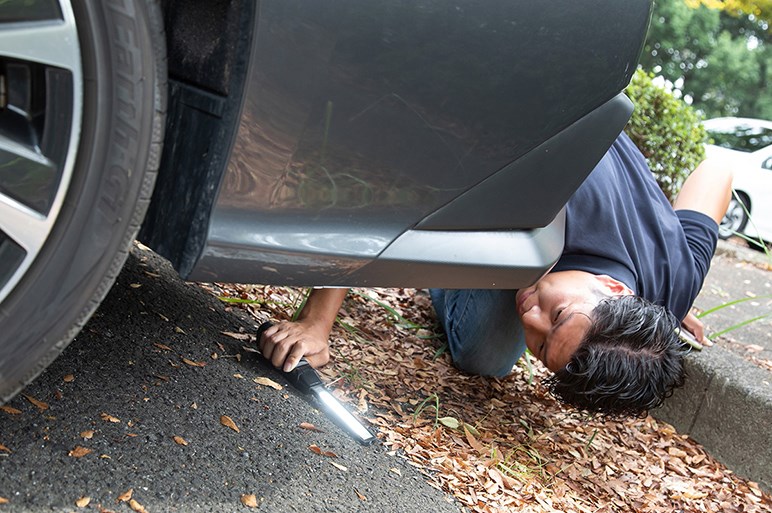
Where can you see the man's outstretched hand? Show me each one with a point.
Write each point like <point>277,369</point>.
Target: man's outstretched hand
<point>694,326</point>
<point>284,344</point>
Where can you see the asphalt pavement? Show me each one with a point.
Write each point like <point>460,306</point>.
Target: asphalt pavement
<point>103,418</point>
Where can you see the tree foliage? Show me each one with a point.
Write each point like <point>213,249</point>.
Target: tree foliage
<point>666,130</point>
<point>717,52</point>
<point>761,9</point>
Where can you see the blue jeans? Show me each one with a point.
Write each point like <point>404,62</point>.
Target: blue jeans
<point>483,329</point>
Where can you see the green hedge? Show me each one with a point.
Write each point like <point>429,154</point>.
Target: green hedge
<point>667,130</point>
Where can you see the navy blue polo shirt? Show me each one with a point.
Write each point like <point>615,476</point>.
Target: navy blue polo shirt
<point>619,223</point>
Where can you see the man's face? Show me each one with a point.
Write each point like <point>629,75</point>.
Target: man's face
<point>555,312</point>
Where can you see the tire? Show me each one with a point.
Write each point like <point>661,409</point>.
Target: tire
<point>107,160</point>
<point>736,217</point>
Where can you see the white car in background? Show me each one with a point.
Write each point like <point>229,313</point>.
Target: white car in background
<point>746,145</point>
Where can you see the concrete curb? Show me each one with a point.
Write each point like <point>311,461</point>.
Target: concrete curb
<point>726,405</point>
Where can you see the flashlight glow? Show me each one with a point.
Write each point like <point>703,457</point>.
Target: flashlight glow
<point>353,425</point>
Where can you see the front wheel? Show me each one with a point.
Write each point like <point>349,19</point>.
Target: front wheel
<point>735,219</point>
<point>81,129</point>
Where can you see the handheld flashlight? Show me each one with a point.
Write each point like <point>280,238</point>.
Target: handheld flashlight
<point>304,378</point>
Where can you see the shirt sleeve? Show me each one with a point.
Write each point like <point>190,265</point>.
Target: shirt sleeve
<point>701,236</point>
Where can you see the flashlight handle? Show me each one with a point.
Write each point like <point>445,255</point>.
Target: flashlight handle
<point>303,376</point>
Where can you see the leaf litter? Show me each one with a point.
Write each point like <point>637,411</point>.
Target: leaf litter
<point>79,451</point>
<point>249,500</point>
<point>268,382</point>
<point>228,422</point>
<point>318,450</point>
<point>109,418</point>
<point>500,444</point>
<point>39,404</point>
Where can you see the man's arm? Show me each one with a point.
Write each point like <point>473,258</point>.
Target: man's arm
<point>707,190</point>
<point>287,342</point>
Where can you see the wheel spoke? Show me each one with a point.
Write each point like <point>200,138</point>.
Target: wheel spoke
<point>54,43</point>
<point>26,227</point>
<point>26,175</point>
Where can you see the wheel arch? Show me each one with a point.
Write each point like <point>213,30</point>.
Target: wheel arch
<point>208,47</point>
<point>745,198</point>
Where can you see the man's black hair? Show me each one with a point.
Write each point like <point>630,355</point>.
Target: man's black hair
<point>629,361</point>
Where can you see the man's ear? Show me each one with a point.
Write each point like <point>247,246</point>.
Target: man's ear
<point>613,287</point>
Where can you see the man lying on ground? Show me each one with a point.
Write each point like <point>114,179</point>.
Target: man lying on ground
<point>604,320</point>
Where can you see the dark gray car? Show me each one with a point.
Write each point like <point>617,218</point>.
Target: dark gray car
<point>344,142</point>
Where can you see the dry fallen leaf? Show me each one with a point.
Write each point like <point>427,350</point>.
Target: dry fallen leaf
<point>135,285</point>
<point>3,500</point>
<point>339,466</point>
<point>125,496</point>
<point>228,422</point>
<point>268,382</point>
<point>79,451</point>
<point>40,404</point>
<point>318,450</point>
<point>162,346</point>
<point>69,378</point>
<point>109,418</point>
<point>179,440</point>
<point>477,446</point>
<point>177,329</point>
<point>238,336</point>
<point>83,502</point>
<point>10,410</point>
<point>249,500</point>
<point>136,506</point>
<point>361,497</point>
<point>4,448</point>
<point>310,427</point>
<point>88,435</point>
<point>194,364</point>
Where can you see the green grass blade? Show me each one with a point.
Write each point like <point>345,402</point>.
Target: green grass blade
<point>730,303</point>
<point>739,325</point>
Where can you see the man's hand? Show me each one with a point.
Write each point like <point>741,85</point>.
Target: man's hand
<point>284,344</point>
<point>694,326</point>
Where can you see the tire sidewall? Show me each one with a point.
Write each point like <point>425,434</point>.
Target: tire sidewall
<point>119,150</point>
